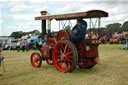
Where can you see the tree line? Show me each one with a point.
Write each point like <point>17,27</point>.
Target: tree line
<point>19,34</point>
<point>114,27</point>
<point>108,29</point>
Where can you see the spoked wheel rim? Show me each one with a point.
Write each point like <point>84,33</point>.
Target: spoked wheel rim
<point>64,56</point>
<point>36,59</point>
<point>49,61</point>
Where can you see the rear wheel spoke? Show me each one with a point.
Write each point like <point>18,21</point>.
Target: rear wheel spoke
<point>62,46</point>
<point>60,50</point>
<point>59,60</point>
<point>65,48</point>
<point>68,53</point>
<point>70,56</point>
<point>69,60</point>
<point>66,65</point>
<point>57,51</point>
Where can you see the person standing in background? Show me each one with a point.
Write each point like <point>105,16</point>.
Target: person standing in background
<point>1,57</point>
<point>22,45</point>
<point>26,45</point>
<point>18,46</point>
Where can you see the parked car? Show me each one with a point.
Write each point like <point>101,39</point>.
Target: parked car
<point>118,38</point>
<point>11,44</point>
<point>32,42</point>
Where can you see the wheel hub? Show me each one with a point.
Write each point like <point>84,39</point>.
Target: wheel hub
<point>63,56</point>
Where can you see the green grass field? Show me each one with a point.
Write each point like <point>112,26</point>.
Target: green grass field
<point>113,70</point>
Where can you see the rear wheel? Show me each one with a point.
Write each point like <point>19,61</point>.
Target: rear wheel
<point>36,59</point>
<point>65,56</point>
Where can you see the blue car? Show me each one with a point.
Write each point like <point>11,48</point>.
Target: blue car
<point>32,41</point>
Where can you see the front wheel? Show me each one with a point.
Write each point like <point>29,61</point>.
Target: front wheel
<point>36,59</point>
<point>65,56</point>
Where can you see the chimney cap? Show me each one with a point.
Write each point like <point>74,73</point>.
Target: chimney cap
<point>43,12</point>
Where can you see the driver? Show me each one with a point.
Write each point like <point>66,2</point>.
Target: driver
<point>79,31</point>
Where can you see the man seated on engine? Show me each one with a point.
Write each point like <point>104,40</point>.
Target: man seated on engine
<point>79,31</point>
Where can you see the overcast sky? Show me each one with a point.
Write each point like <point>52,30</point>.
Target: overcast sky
<point>18,15</point>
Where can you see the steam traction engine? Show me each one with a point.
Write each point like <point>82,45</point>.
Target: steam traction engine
<point>60,51</point>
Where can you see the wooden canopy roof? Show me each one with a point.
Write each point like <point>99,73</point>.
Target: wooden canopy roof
<point>88,14</point>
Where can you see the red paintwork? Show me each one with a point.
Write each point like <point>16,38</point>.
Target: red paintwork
<point>35,60</point>
<point>87,14</point>
<point>49,61</point>
<point>98,36</point>
<point>87,58</point>
<point>87,52</point>
<point>102,38</point>
<point>51,41</point>
<point>63,65</point>
<point>62,35</point>
<point>116,38</point>
<point>45,52</point>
